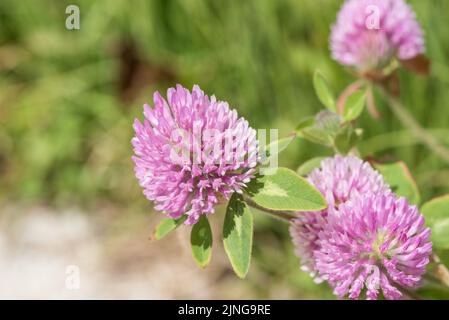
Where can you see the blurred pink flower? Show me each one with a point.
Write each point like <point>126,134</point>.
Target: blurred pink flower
<point>369,33</point>
<point>338,179</point>
<point>373,241</point>
<point>218,152</point>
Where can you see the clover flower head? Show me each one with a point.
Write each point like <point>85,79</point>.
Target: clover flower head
<point>373,243</point>
<point>190,151</point>
<point>369,33</point>
<point>338,179</point>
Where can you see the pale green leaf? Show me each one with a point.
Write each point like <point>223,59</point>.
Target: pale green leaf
<point>238,235</point>
<point>321,129</point>
<point>276,147</point>
<point>166,226</point>
<point>285,190</point>
<point>309,165</point>
<point>305,123</point>
<point>436,212</point>
<point>323,91</point>
<point>398,176</point>
<point>354,105</point>
<point>201,242</point>
<point>346,138</point>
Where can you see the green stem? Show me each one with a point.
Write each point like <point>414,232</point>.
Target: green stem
<point>440,272</point>
<point>280,215</point>
<point>419,132</point>
<point>411,294</point>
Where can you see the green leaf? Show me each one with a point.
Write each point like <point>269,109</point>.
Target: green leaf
<point>436,212</point>
<point>305,123</point>
<point>398,176</point>
<point>321,129</point>
<point>328,121</point>
<point>323,91</point>
<point>201,242</point>
<point>309,165</point>
<point>166,226</point>
<point>316,136</point>
<point>238,234</point>
<point>354,105</point>
<point>276,147</point>
<point>347,138</point>
<point>285,190</point>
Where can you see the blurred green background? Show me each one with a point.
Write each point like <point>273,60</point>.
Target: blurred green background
<point>68,99</point>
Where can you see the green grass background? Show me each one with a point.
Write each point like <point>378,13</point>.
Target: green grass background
<point>66,122</point>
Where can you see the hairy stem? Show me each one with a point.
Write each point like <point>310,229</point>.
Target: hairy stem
<point>440,272</point>
<point>353,87</point>
<point>411,294</point>
<point>371,104</point>
<point>420,133</point>
<point>281,215</point>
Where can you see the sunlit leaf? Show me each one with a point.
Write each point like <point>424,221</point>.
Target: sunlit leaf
<point>354,105</point>
<point>276,147</point>
<point>166,226</point>
<point>201,242</point>
<point>238,234</point>
<point>323,91</point>
<point>285,190</point>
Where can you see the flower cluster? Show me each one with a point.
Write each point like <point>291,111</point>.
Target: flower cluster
<point>190,151</point>
<point>338,179</point>
<point>374,241</point>
<point>369,33</point>
<point>366,238</point>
